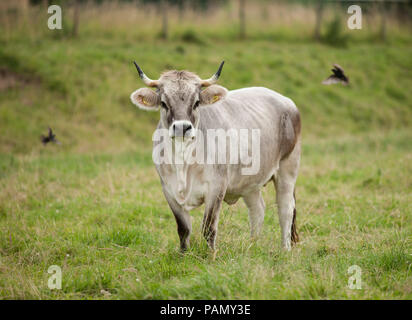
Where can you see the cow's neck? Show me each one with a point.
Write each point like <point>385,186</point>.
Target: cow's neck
<point>181,154</point>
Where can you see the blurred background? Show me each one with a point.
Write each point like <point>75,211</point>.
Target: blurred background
<point>93,203</point>
<point>82,75</point>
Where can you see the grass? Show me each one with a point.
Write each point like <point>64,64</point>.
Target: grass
<point>104,221</point>
<point>94,206</point>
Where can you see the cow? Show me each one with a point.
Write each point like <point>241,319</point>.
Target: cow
<point>190,107</point>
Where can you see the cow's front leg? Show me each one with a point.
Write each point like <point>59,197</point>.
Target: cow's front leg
<point>213,204</point>
<point>183,221</point>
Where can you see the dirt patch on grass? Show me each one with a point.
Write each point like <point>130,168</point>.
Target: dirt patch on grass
<point>10,79</point>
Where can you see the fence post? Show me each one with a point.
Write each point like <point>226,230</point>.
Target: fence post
<point>319,11</point>
<point>242,22</point>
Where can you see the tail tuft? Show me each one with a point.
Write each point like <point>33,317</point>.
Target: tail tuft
<point>294,233</point>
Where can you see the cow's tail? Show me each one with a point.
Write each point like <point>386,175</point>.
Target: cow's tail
<point>294,233</point>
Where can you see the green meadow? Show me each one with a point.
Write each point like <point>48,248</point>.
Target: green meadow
<point>93,205</point>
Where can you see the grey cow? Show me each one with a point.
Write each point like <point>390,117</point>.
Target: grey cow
<point>189,109</point>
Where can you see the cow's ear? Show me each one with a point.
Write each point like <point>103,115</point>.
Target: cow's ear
<point>146,99</point>
<point>212,94</point>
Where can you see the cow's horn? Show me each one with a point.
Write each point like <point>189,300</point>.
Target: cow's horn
<point>149,82</point>
<point>213,79</point>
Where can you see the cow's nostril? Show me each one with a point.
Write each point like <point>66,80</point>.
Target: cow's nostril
<point>181,128</point>
<point>186,127</point>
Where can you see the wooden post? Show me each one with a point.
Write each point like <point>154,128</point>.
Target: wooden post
<point>319,11</point>
<point>76,13</point>
<point>242,22</point>
<point>383,21</point>
<point>181,8</point>
<point>165,25</point>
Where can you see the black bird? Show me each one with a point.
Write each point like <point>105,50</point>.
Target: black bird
<point>51,137</point>
<point>338,76</point>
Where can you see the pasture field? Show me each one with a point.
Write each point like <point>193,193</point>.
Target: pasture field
<point>93,205</point>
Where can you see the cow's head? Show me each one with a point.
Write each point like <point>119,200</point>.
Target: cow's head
<point>178,94</point>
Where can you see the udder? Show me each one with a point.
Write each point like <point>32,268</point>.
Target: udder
<point>231,199</point>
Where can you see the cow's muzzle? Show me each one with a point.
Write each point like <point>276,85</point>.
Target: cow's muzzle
<point>181,129</point>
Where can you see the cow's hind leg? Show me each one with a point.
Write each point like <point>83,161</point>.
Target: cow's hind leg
<point>256,206</point>
<point>285,186</point>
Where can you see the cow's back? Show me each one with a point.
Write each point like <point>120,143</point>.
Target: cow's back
<point>254,107</point>
<point>274,115</point>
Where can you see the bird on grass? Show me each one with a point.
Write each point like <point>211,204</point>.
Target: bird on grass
<point>338,76</point>
<point>51,137</point>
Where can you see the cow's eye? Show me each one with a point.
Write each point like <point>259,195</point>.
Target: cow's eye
<point>164,105</point>
<point>196,104</point>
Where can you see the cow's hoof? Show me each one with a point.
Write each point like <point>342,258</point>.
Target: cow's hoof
<point>183,250</point>
<point>254,237</point>
<point>214,252</point>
